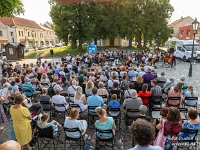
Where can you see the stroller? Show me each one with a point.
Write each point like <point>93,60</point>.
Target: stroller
<point>35,111</point>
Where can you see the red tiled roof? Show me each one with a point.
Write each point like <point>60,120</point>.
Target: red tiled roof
<point>177,21</point>
<point>19,22</point>
<point>1,24</point>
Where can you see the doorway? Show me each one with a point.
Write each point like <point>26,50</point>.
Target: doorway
<point>112,42</point>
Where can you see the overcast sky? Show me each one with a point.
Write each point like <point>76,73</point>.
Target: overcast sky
<point>38,10</point>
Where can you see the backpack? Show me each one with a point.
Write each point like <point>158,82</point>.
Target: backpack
<point>124,85</point>
<point>51,91</point>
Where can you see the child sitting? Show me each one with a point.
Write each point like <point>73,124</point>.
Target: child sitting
<point>114,104</point>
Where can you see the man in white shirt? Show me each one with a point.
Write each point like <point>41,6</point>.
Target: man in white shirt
<point>72,90</point>
<point>58,99</point>
<point>68,57</point>
<point>55,85</point>
<point>69,66</point>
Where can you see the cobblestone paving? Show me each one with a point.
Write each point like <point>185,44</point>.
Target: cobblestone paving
<point>181,69</point>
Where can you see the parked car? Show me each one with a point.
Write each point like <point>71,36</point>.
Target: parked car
<point>49,45</point>
<point>42,47</point>
<point>2,52</point>
<point>58,45</point>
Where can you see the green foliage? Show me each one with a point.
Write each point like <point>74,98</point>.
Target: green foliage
<point>140,20</point>
<point>11,7</point>
<point>58,52</point>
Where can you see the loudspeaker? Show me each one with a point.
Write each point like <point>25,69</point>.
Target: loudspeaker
<point>51,52</point>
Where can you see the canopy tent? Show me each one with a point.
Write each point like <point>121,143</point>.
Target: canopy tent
<point>80,1</point>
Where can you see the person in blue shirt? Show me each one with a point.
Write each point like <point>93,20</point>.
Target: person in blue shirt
<point>192,124</point>
<point>56,70</point>
<point>131,73</point>
<point>114,104</point>
<point>190,93</point>
<point>94,100</point>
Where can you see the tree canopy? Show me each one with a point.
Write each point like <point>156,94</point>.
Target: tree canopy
<point>11,7</point>
<point>138,20</point>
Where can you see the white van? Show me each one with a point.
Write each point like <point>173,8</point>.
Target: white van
<point>184,49</point>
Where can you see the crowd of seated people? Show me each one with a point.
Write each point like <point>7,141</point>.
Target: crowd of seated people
<point>128,86</point>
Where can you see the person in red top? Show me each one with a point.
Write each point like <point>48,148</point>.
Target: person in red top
<point>144,94</point>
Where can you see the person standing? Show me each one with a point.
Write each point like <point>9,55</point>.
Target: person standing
<point>195,56</point>
<point>21,122</point>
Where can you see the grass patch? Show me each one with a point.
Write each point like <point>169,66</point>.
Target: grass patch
<point>58,52</point>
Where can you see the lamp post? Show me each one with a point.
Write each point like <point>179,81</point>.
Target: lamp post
<point>194,27</point>
<point>159,39</point>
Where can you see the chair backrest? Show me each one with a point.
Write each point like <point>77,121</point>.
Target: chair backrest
<point>136,111</point>
<point>155,99</point>
<point>155,112</point>
<point>183,111</point>
<point>190,132</point>
<point>64,94</point>
<point>103,96</point>
<point>76,106</point>
<point>109,131</point>
<point>173,99</point>
<point>71,95</point>
<point>60,106</point>
<point>71,130</point>
<point>190,99</point>
<point>46,103</point>
<point>45,132</point>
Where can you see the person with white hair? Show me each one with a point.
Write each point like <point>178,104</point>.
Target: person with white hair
<point>72,89</point>
<point>168,85</point>
<point>132,103</point>
<point>143,110</point>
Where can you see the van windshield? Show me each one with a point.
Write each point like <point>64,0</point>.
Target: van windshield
<point>189,47</point>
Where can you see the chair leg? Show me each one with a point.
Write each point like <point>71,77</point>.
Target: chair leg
<point>54,145</point>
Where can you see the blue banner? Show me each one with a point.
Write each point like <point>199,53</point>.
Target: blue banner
<point>92,49</point>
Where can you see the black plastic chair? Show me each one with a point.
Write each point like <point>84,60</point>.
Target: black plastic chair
<point>62,112</point>
<point>155,100</point>
<point>45,136</point>
<point>191,99</point>
<point>68,138</point>
<point>46,106</point>
<point>191,141</point>
<point>104,97</point>
<point>183,113</point>
<point>173,99</point>
<point>133,112</point>
<point>115,117</point>
<point>92,113</point>
<point>111,140</point>
<point>161,83</point>
<point>155,112</point>
<point>70,96</point>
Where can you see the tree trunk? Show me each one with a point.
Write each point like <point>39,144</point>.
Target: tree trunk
<point>95,41</point>
<point>139,40</point>
<point>74,44</point>
<point>130,43</point>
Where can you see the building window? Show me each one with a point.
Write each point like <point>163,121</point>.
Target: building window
<point>22,33</point>
<point>35,34</point>
<point>28,34</point>
<point>19,33</point>
<point>188,32</point>
<point>47,32</point>
<point>1,33</point>
<point>187,23</point>
<point>182,32</point>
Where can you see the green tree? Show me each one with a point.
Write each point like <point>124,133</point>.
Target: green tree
<point>11,7</point>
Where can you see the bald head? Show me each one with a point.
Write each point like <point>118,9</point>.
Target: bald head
<point>10,145</point>
<point>26,79</point>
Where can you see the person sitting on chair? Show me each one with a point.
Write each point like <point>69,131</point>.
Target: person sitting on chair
<point>42,123</point>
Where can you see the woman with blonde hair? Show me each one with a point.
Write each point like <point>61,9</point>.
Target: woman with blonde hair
<point>102,91</point>
<point>138,84</point>
<point>89,87</point>
<point>44,80</point>
<point>79,98</point>
<point>72,122</point>
<point>190,93</point>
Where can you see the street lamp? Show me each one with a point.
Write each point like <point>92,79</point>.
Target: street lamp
<point>159,39</point>
<point>195,25</point>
